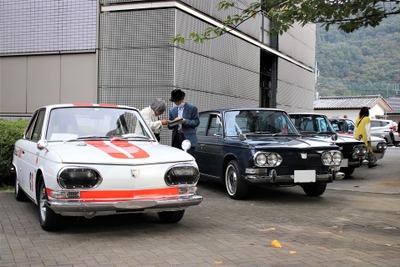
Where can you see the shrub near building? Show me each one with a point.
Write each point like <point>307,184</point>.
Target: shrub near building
<point>10,132</point>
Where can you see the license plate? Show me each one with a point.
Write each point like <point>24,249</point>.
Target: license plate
<point>304,176</point>
<point>345,163</point>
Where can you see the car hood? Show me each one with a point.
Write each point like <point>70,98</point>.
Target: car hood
<point>377,139</point>
<point>342,139</point>
<point>115,152</point>
<point>287,142</point>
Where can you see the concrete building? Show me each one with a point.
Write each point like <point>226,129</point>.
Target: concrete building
<point>119,51</point>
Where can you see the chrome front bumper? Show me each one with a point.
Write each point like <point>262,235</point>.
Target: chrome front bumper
<point>274,179</point>
<point>89,209</point>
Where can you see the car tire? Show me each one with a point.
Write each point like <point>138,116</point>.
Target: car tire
<point>48,219</point>
<point>171,216</point>
<point>236,187</point>
<point>19,193</point>
<point>348,171</point>
<point>314,190</point>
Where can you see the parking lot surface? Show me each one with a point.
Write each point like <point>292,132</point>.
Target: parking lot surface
<point>356,222</point>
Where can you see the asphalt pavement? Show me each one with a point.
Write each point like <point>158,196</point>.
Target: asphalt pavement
<point>355,223</point>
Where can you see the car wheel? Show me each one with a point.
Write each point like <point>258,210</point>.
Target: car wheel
<point>48,219</point>
<point>348,171</point>
<point>171,216</point>
<point>236,187</point>
<point>19,194</point>
<point>314,190</point>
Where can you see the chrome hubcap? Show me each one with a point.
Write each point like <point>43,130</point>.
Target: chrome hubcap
<point>231,179</point>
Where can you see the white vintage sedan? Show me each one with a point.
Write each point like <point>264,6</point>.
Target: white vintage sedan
<point>92,159</point>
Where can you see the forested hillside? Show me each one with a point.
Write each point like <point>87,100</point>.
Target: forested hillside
<point>364,62</point>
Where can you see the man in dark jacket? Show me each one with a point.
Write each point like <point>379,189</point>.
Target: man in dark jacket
<point>187,119</point>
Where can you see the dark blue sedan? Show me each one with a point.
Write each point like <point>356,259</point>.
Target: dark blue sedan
<point>240,147</point>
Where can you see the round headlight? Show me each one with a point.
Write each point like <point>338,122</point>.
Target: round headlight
<point>326,158</point>
<point>337,158</point>
<point>260,159</point>
<point>265,159</point>
<point>274,159</point>
<point>329,158</point>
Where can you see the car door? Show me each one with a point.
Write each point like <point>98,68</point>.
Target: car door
<point>29,153</point>
<point>209,151</point>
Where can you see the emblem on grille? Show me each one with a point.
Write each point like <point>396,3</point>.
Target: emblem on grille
<point>303,155</point>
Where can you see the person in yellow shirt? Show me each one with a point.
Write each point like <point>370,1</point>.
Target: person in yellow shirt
<point>363,133</point>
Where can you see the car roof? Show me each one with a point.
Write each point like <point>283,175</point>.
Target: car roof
<point>306,113</point>
<point>381,120</point>
<point>239,109</point>
<point>66,105</point>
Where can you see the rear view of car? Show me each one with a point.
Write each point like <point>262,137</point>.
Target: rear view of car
<point>91,160</point>
<point>387,129</point>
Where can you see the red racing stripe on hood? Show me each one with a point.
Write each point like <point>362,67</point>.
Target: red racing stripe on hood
<point>121,149</point>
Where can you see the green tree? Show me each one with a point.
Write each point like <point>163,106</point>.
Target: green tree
<point>347,15</point>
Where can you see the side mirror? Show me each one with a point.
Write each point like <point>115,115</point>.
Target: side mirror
<point>41,144</point>
<point>186,145</point>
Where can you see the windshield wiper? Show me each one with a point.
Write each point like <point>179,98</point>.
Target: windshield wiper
<point>86,137</point>
<point>259,132</point>
<point>133,136</point>
<point>283,133</point>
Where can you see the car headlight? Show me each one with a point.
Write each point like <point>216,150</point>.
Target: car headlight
<point>267,159</point>
<point>78,177</point>
<point>381,146</point>
<point>359,151</point>
<point>182,174</point>
<point>330,158</point>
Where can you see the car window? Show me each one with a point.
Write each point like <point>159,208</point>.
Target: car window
<point>74,122</point>
<point>34,129</point>
<point>31,125</point>
<point>215,127</point>
<point>201,129</point>
<point>375,124</point>
<point>257,121</point>
<point>315,123</point>
<point>336,126</point>
<point>349,126</point>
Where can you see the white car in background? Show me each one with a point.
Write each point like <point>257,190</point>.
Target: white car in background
<point>387,129</point>
<point>90,159</point>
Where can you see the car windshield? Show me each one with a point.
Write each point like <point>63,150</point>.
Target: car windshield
<point>78,123</point>
<point>310,123</point>
<point>258,122</point>
<point>346,126</point>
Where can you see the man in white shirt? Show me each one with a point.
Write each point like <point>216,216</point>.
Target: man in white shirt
<point>151,116</point>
